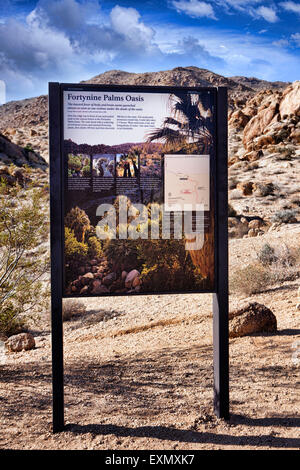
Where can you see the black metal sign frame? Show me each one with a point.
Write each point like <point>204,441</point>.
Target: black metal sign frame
<point>220,292</point>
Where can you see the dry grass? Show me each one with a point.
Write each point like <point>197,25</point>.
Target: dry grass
<point>71,308</point>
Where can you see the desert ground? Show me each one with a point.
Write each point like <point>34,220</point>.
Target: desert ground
<point>139,375</point>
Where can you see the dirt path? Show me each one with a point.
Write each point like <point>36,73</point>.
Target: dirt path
<point>142,379</point>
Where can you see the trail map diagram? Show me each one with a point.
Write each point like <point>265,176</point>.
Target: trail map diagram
<point>186,181</point>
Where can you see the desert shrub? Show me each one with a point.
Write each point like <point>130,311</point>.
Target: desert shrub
<point>122,254</point>
<point>250,279</point>
<point>94,248</point>
<point>264,189</point>
<point>23,258</point>
<point>75,251</point>
<point>284,216</point>
<point>168,266</point>
<point>78,221</point>
<point>86,170</point>
<point>74,163</point>
<point>267,255</point>
<point>71,308</point>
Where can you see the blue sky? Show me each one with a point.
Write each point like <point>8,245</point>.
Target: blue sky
<point>73,40</point>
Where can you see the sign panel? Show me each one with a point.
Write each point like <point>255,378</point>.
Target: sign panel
<point>138,190</point>
<point>138,204</point>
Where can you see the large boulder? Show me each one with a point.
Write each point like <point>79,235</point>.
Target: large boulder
<point>130,278</point>
<point>257,125</point>
<point>252,318</point>
<point>12,153</point>
<point>290,104</point>
<point>20,342</point>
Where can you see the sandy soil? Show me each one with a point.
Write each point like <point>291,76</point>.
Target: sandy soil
<point>138,375</point>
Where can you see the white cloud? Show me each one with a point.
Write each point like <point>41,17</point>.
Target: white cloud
<point>281,43</point>
<point>126,21</point>
<point>296,39</point>
<point>267,13</point>
<point>291,6</point>
<point>194,8</point>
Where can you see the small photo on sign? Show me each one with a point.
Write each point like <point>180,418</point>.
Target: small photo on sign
<point>104,165</point>
<point>151,165</point>
<point>79,166</point>
<point>127,165</point>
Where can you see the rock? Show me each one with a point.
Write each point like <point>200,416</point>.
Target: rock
<point>109,279</point>
<point>252,318</point>
<point>84,290</point>
<point>256,223</point>
<point>96,283</point>
<point>252,233</point>
<point>264,189</point>
<point>124,275</point>
<point>258,123</point>
<point>238,119</point>
<point>87,278</point>
<point>20,342</point>
<point>290,103</point>
<point>245,187</point>
<point>295,136</point>
<point>252,156</point>
<point>18,155</point>
<point>130,277</point>
<point>100,290</point>
<point>21,177</point>
<point>298,296</point>
<point>136,282</point>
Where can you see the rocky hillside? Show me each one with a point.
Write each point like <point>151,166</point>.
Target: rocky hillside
<point>264,139</point>
<point>34,111</point>
<point>11,153</point>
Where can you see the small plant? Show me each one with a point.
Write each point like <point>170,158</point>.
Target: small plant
<point>86,170</point>
<point>249,280</point>
<point>71,308</point>
<point>267,255</point>
<point>264,189</point>
<point>94,248</point>
<point>284,216</point>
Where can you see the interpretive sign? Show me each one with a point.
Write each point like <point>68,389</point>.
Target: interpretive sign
<point>138,192</point>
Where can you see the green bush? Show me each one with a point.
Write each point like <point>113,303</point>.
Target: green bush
<point>75,251</point>
<point>78,221</point>
<point>74,163</point>
<point>86,170</point>
<point>94,248</point>
<point>23,259</point>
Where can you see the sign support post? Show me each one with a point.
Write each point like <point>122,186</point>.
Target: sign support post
<point>220,297</point>
<point>56,256</point>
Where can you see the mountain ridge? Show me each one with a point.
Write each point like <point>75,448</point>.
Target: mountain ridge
<point>34,111</point>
